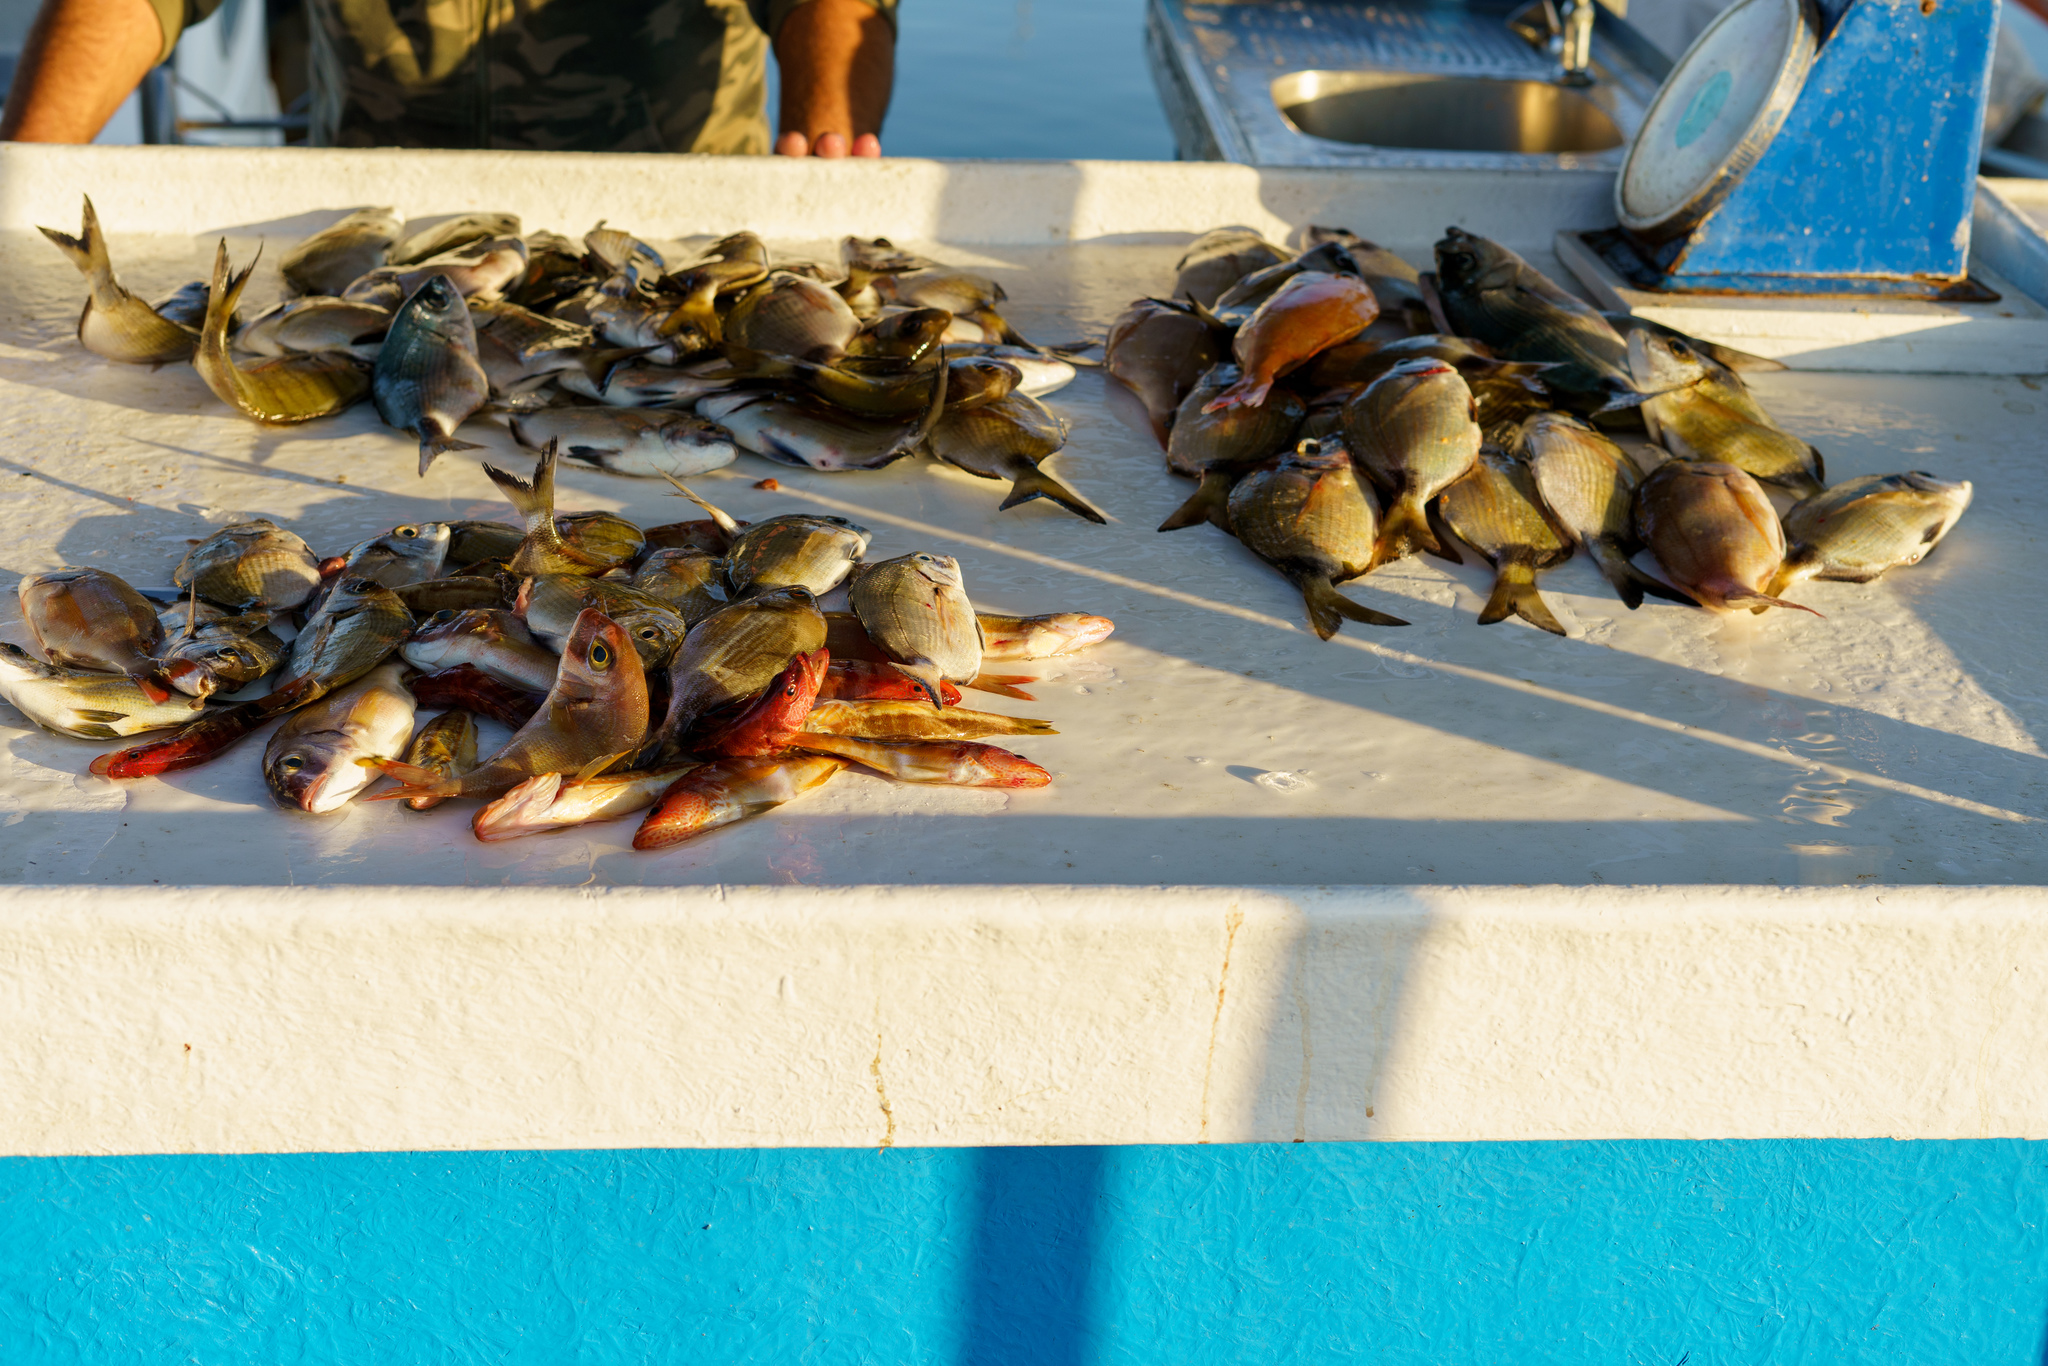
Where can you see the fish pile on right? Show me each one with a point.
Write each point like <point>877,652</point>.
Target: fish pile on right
<point>1341,411</point>
<point>638,362</point>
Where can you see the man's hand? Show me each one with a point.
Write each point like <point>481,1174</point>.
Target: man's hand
<point>82,58</point>
<point>838,60</point>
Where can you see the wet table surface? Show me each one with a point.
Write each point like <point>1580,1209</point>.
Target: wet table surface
<point>1213,739</point>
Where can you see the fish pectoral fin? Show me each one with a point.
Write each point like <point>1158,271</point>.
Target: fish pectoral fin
<point>1759,601</point>
<point>413,781</point>
<point>591,455</point>
<point>98,714</point>
<point>598,765</point>
<point>1515,595</point>
<point>1002,685</point>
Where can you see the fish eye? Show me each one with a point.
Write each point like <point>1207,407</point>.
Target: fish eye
<point>291,763</point>
<point>443,615</point>
<point>600,656</point>
<point>924,559</point>
<point>407,531</point>
<point>649,633</point>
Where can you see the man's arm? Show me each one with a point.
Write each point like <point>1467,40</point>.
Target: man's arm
<point>82,58</point>
<point>838,60</point>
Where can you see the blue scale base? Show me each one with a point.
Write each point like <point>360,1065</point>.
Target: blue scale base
<point>1819,1251</point>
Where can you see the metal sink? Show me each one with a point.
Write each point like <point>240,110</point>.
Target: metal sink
<point>1443,113</point>
<point>1425,83</point>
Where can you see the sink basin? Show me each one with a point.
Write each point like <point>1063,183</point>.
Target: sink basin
<point>1443,113</point>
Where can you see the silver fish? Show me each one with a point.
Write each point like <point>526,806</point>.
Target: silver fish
<point>336,257</point>
<point>1861,527</point>
<point>797,549</point>
<point>250,565</point>
<point>630,441</point>
<point>315,761</point>
<point>428,380</point>
<point>915,608</point>
<point>312,325</point>
<point>798,429</point>
<point>451,234</point>
<point>494,641</point>
<point>86,703</point>
<point>114,323</point>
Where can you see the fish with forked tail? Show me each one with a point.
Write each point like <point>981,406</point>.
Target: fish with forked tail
<point>1415,430</point>
<point>1715,533</point>
<point>1309,519</point>
<point>428,380</point>
<point>1494,510</point>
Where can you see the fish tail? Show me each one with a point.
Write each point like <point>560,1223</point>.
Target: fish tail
<point>1036,483</point>
<point>88,250</point>
<point>435,441</point>
<point>724,521</point>
<point>1327,608</point>
<point>1210,503</point>
<point>223,297</point>
<point>156,684</point>
<point>1515,595</point>
<point>1759,601</point>
<point>1406,530</point>
<point>1002,685</point>
<point>522,811</point>
<point>532,499</point>
<point>1620,398</point>
<point>415,781</point>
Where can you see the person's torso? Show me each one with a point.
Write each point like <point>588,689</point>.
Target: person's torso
<point>539,75</point>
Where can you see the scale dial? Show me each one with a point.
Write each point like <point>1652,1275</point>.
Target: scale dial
<point>1715,114</point>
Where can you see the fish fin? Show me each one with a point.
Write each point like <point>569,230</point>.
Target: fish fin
<point>1249,392</point>
<point>1205,313</point>
<point>1407,529</point>
<point>724,520</point>
<point>590,455</point>
<point>1763,600</point>
<point>155,685</point>
<point>597,766</point>
<point>413,781</point>
<point>1515,595</point>
<point>1002,685</point>
<point>502,818</point>
<point>1036,483</point>
<point>1210,503</point>
<point>432,446</point>
<point>1433,301</point>
<point>1327,608</point>
<point>1737,360</point>
<point>1820,465</point>
<point>533,499</point>
<point>192,611</point>
<point>1631,583</point>
<point>1621,398</point>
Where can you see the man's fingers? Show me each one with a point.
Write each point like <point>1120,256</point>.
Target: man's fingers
<point>792,145</point>
<point>867,145</point>
<point>830,145</point>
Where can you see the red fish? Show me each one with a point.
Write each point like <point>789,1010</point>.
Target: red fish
<point>862,680</point>
<point>771,720</point>
<point>728,790</point>
<point>471,689</point>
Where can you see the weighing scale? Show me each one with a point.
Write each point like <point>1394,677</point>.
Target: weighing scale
<point>1812,149</point>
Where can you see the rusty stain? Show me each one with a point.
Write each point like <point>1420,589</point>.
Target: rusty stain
<point>882,1095</point>
<point>1232,923</point>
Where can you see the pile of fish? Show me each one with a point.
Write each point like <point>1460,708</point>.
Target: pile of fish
<point>634,364</point>
<point>1342,410</point>
<point>686,668</point>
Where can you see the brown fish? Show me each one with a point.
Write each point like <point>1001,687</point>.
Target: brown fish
<point>734,654</point>
<point>1008,439</point>
<point>1218,259</point>
<point>114,323</point>
<point>595,715</point>
<point>90,619</point>
<point>544,550</point>
<point>1308,314</point>
<point>1220,448</point>
<point>1494,509</point>
<point>250,565</point>
<point>445,747</point>
<point>1309,518</point>
<point>1159,352</point>
<point>1861,527</point>
<point>728,790</point>
<point>281,391</point>
<point>1588,485</point>
<point>1416,431</point>
<point>1703,411</point>
<point>686,578</point>
<point>1713,529</point>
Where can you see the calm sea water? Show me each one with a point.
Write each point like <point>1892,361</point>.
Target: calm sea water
<point>1024,78</point>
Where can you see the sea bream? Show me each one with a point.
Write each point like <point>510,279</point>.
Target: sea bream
<point>428,380</point>
<point>114,323</point>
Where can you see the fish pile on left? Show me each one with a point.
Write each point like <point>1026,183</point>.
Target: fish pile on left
<point>635,365</point>
<point>687,668</point>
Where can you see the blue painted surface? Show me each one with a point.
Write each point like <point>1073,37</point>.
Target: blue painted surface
<point>1817,1251</point>
<point>1874,170</point>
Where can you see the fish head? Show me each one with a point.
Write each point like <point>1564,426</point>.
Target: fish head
<point>19,666</point>
<point>598,654</point>
<point>1660,362</point>
<point>1468,263</point>
<point>314,771</point>
<point>655,635</point>
<point>1957,493</point>
<point>1331,255</point>
<point>436,300</point>
<point>1318,455</point>
<point>979,379</point>
<point>940,569</point>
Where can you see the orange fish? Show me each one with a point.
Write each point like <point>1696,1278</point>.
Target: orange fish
<point>1714,531</point>
<point>772,719</point>
<point>955,763</point>
<point>1308,315</point>
<point>728,790</point>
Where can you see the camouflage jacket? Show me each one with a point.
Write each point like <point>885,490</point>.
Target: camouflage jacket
<point>535,75</point>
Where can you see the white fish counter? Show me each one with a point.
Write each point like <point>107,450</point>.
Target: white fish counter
<point>1440,992</point>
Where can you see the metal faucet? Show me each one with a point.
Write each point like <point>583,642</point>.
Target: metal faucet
<point>1563,28</point>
